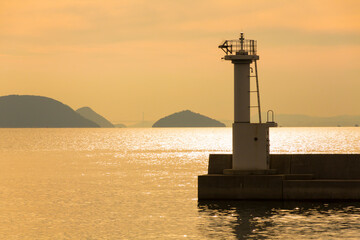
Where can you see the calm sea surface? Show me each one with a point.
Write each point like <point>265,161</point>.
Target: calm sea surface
<point>142,184</point>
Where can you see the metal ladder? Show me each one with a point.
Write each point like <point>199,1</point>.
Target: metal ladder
<point>257,91</point>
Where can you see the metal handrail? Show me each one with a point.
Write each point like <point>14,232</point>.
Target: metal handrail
<point>239,47</point>
<point>272,116</point>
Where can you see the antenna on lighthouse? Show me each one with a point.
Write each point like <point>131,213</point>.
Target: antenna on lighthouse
<point>242,41</point>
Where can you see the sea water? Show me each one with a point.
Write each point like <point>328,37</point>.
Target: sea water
<point>142,184</point>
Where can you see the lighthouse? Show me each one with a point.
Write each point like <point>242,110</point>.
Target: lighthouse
<point>250,172</point>
<point>250,140</point>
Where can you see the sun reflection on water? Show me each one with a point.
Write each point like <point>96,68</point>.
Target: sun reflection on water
<point>142,184</point>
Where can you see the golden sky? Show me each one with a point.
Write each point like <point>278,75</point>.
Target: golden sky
<point>125,57</point>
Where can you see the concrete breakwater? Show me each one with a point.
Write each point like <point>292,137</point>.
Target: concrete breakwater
<point>295,177</point>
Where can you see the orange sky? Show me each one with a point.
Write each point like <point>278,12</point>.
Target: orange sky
<point>125,57</point>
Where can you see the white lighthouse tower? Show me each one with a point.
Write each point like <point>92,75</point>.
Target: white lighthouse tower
<point>250,140</point>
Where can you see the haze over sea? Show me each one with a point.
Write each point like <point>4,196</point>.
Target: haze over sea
<point>142,184</point>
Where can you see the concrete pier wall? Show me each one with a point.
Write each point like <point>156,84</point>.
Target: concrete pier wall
<point>322,166</point>
<point>219,162</point>
<point>214,186</point>
<point>298,177</point>
<point>321,189</point>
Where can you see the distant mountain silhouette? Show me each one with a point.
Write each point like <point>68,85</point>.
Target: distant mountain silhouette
<point>187,118</point>
<point>25,111</point>
<point>289,120</point>
<point>90,114</point>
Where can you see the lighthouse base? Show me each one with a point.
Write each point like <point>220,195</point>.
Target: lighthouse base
<point>298,177</point>
<point>251,146</point>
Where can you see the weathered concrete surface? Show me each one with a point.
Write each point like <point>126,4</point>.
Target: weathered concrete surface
<point>274,187</point>
<point>299,177</point>
<point>322,166</point>
<point>219,162</point>
<point>321,189</point>
<point>281,162</point>
<point>217,186</point>
<point>249,172</point>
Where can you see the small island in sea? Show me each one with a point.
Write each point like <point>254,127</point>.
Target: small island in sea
<point>93,116</point>
<point>27,111</point>
<point>187,118</point>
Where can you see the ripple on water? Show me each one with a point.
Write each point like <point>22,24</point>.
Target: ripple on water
<point>142,184</point>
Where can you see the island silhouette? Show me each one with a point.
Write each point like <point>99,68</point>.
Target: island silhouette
<point>28,111</point>
<point>187,118</point>
<point>91,115</point>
